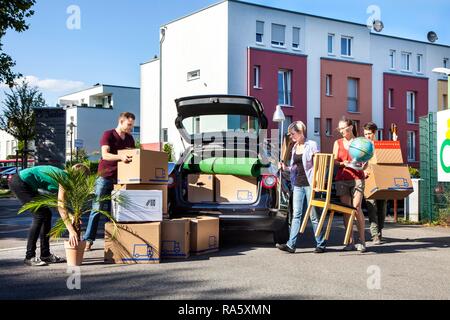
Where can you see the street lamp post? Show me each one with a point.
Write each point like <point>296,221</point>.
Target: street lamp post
<point>71,126</point>
<point>445,71</point>
<point>161,41</point>
<point>279,117</point>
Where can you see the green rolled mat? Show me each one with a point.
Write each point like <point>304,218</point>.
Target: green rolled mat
<point>249,167</point>
<point>207,165</point>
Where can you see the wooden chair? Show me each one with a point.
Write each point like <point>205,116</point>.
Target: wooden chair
<point>322,180</point>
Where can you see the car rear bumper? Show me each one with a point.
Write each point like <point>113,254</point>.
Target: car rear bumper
<point>234,219</point>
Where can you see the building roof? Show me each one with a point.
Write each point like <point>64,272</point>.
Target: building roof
<point>304,14</point>
<point>98,85</point>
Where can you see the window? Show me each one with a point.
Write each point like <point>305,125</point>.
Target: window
<point>136,130</point>
<point>380,134</point>
<point>8,151</point>
<point>445,63</point>
<point>256,77</point>
<point>330,43</point>
<point>317,126</point>
<point>165,135</point>
<point>419,63</point>
<point>328,127</point>
<point>392,55</point>
<point>296,38</point>
<point>278,34</point>
<point>284,87</point>
<point>444,102</point>
<point>346,46</point>
<point>193,75</point>
<point>411,145</point>
<point>391,99</point>
<point>411,106</point>
<point>352,99</point>
<point>259,31</point>
<point>288,121</point>
<point>406,61</point>
<point>328,84</point>
<point>356,124</point>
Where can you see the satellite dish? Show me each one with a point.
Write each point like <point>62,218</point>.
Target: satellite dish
<point>378,25</point>
<point>432,36</point>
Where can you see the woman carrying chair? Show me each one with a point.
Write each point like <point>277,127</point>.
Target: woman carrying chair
<point>301,172</point>
<point>349,182</point>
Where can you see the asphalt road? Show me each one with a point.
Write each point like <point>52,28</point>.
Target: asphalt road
<point>414,263</point>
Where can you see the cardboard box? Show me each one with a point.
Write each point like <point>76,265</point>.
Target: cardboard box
<point>137,205</point>
<point>204,235</point>
<point>387,152</point>
<point>146,167</point>
<point>388,182</point>
<point>200,188</point>
<point>133,243</point>
<point>161,187</point>
<point>175,239</point>
<point>234,189</point>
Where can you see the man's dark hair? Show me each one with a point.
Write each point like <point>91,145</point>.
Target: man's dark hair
<point>371,126</point>
<point>127,115</point>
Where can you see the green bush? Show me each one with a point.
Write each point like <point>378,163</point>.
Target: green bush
<point>168,148</point>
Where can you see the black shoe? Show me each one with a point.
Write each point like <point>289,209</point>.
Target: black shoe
<point>285,247</point>
<point>34,262</point>
<point>319,250</point>
<point>53,259</point>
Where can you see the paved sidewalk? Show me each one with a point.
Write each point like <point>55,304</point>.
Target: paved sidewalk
<point>414,263</point>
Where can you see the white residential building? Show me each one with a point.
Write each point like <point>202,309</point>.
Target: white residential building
<point>8,145</point>
<point>332,68</point>
<point>95,110</point>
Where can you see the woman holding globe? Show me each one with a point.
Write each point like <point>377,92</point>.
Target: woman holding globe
<point>349,181</point>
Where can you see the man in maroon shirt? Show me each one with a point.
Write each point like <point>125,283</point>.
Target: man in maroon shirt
<point>111,142</point>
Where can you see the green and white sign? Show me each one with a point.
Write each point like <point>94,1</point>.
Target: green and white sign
<point>443,145</point>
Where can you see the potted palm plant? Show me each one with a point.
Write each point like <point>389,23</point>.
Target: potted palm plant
<point>73,200</point>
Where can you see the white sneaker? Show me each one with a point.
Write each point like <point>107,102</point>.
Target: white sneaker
<point>361,247</point>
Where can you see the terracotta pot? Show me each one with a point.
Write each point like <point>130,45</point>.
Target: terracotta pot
<point>74,255</point>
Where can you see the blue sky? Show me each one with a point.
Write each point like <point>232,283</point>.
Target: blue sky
<point>116,36</point>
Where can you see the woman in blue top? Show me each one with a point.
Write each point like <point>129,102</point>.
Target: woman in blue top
<point>301,172</point>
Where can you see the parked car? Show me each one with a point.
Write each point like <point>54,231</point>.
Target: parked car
<point>6,168</point>
<point>6,175</point>
<point>230,132</point>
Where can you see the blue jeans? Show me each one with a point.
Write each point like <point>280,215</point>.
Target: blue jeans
<point>103,187</point>
<point>300,200</point>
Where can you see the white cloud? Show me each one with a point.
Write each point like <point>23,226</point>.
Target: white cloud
<point>50,88</point>
<point>52,85</point>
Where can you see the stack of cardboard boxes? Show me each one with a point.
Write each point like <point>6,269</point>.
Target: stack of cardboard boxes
<point>389,178</point>
<point>144,233</point>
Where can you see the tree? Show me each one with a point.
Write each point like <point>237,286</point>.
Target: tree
<point>168,148</point>
<point>18,117</point>
<point>12,16</point>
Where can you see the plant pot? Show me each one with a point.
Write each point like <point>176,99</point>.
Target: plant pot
<point>74,255</point>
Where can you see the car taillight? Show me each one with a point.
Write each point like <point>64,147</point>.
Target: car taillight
<point>171,181</point>
<point>269,181</point>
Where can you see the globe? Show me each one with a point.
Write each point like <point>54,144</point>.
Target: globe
<point>361,150</point>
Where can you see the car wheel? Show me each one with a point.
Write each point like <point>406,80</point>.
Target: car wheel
<point>281,235</point>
